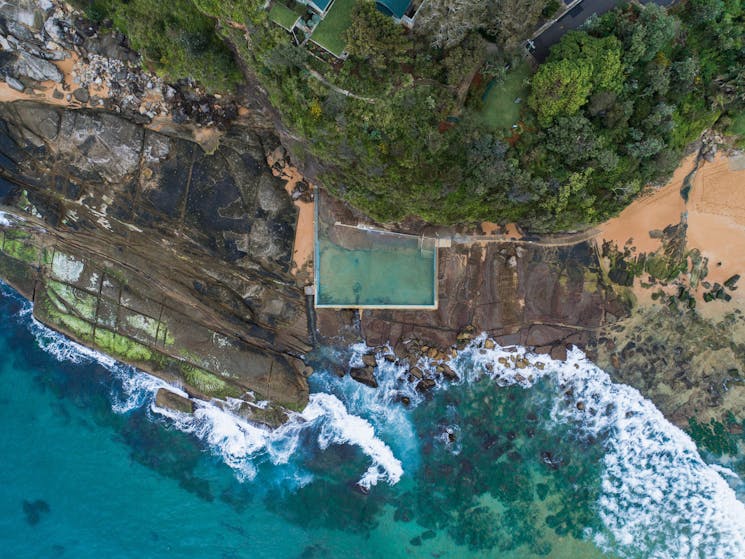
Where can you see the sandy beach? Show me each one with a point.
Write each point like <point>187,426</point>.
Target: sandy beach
<point>302,250</point>
<point>652,211</point>
<point>716,221</point>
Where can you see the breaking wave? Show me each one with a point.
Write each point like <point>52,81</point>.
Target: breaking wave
<point>659,499</point>
<point>242,445</point>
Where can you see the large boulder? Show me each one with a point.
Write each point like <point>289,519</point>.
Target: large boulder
<point>35,68</point>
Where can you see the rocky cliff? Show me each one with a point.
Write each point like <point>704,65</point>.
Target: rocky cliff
<point>141,244</point>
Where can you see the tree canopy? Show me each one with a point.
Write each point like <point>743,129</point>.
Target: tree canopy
<point>560,87</point>
<point>374,37</point>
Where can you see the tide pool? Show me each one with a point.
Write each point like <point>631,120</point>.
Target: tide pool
<point>495,466</point>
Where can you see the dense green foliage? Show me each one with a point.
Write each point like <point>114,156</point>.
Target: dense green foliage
<point>610,111</point>
<point>373,37</point>
<point>175,38</point>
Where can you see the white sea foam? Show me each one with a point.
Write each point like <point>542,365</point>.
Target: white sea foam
<point>4,219</point>
<point>338,426</point>
<point>659,499</point>
<point>243,445</point>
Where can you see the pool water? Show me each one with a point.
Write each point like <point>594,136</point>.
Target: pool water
<point>387,276</point>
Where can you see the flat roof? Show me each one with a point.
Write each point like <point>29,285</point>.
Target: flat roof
<point>329,34</point>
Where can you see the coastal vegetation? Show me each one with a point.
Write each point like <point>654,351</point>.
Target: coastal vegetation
<point>399,127</point>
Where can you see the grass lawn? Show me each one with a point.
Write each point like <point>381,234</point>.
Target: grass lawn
<point>330,32</point>
<point>283,16</point>
<point>500,111</point>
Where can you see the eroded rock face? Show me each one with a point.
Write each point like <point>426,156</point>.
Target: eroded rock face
<point>140,244</point>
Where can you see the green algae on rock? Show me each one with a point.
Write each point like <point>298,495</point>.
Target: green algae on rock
<point>143,246</point>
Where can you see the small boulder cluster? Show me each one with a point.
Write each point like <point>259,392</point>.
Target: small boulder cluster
<point>107,74</point>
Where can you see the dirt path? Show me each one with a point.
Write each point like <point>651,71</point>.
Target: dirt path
<point>510,237</point>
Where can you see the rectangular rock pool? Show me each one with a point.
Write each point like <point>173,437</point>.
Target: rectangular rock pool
<point>370,268</point>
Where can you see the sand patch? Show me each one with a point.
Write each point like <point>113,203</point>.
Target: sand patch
<point>715,214</point>
<point>510,231</point>
<point>716,223</point>
<point>653,211</point>
<point>44,91</point>
<point>302,250</point>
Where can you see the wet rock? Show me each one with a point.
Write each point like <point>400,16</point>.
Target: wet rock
<point>369,360</point>
<point>416,372</point>
<point>489,343</point>
<point>365,375</point>
<point>171,401</point>
<point>425,384</point>
<point>448,373</point>
<point>552,461</point>
<point>559,352</point>
<point>465,336</point>
<point>581,406</point>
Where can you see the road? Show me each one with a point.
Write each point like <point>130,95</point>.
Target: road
<point>573,19</point>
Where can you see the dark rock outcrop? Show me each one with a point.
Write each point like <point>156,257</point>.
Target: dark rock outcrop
<point>365,375</point>
<point>140,244</point>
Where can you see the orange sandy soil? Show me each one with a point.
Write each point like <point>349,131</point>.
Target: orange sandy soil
<point>44,90</point>
<point>716,222</point>
<point>655,210</point>
<point>302,250</point>
<point>511,230</point>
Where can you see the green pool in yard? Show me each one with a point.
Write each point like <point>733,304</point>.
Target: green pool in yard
<point>362,268</point>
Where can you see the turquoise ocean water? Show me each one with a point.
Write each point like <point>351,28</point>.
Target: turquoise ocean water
<point>499,464</point>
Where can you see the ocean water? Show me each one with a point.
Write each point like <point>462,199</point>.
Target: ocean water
<point>553,460</point>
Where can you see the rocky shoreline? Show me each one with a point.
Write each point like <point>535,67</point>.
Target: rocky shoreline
<point>160,225</point>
